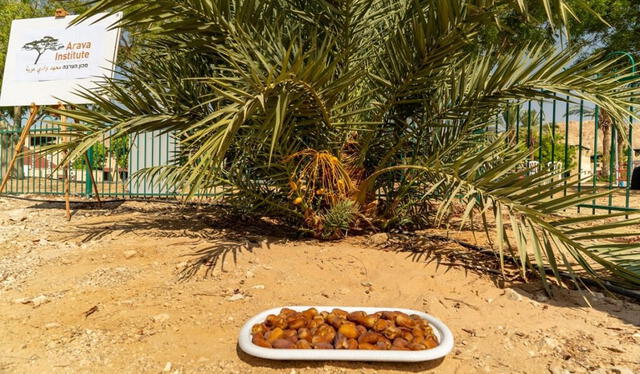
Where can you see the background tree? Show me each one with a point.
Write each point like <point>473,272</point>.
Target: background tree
<point>119,149</point>
<point>621,32</point>
<point>10,118</point>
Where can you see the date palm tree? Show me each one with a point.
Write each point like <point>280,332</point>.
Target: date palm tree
<point>335,113</point>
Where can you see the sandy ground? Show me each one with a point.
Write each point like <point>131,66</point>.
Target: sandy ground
<point>156,288</point>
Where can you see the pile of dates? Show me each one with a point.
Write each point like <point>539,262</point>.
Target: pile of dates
<point>339,329</point>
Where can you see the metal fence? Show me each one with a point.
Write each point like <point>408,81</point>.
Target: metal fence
<point>37,173</point>
<point>578,139</point>
<point>560,135</point>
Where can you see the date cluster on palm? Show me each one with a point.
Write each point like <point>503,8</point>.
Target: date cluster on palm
<point>338,329</point>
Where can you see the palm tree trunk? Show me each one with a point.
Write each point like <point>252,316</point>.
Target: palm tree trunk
<point>621,155</point>
<point>605,125</point>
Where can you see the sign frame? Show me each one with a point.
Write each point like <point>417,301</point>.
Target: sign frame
<point>17,92</point>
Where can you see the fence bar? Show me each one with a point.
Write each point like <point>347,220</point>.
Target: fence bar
<point>629,161</point>
<point>606,207</point>
<point>595,155</point>
<point>517,123</point>
<point>580,148</point>
<point>506,122</point>
<point>613,162</point>
<point>553,134</point>
<point>566,173</point>
<point>88,186</point>
<point>540,134</point>
<point>529,127</point>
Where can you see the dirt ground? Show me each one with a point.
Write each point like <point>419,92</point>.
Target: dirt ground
<point>158,288</point>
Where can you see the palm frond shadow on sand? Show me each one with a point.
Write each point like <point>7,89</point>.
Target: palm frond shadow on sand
<point>205,261</point>
<point>450,253</point>
<point>180,221</point>
<point>229,236</point>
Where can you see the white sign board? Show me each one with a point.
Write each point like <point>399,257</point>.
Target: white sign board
<point>48,60</point>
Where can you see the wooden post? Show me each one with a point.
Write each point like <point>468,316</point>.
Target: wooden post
<point>67,203</point>
<point>23,137</point>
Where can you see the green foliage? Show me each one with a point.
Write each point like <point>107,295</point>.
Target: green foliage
<point>553,150</point>
<point>98,157</point>
<point>292,107</point>
<point>119,149</point>
<point>338,219</point>
<point>9,11</point>
<point>551,145</point>
<point>610,26</point>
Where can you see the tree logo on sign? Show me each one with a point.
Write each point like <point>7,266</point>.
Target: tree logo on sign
<point>48,43</point>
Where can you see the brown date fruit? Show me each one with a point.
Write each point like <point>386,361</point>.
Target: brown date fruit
<point>391,316</point>
<point>274,334</point>
<point>384,344</point>
<point>315,322</point>
<point>400,343</point>
<point>289,332</point>
<point>418,339</point>
<point>341,342</point>
<point>381,325</point>
<point>260,341</point>
<point>340,313</point>
<point>296,322</point>
<point>310,313</point>
<point>276,321</point>
<point>352,344</point>
<point>324,333</point>
<point>283,344</point>
<point>334,320</point>
<point>259,328</point>
<point>304,334</point>
<point>406,334</point>
<point>356,317</point>
<point>418,333</point>
<point>324,314</point>
<point>370,337</point>
<point>322,345</point>
<point>270,320</point>
<point>361,329</point>
<point>349,330</point>
<point>416,346</point>
<point>286,312</point>
<point>303,344</point>
<point>404,320</point>
<point>369,347</point>
<point>431,342</point>
<point>392,332</point>
<point>370,320</point>
<point>291,335</point>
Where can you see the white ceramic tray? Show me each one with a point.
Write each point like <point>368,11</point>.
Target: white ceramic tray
<point>440,329</point>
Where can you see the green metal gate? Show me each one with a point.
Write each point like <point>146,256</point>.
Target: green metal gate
<point>38,174</point>
<point>571,138</point>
